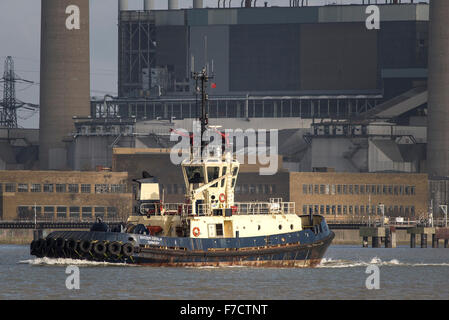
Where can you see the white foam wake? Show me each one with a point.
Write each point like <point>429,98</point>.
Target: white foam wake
<point>330,263</point>
<point>68,261</point>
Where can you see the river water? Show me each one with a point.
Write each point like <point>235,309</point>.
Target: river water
<point>404,273</point>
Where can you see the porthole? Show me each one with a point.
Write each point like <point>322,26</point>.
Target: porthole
<point>258,227</point>
<point>291,227</point>
<point>280,227</point>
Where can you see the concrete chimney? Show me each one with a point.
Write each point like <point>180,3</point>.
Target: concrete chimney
<point>64,76</point>
<point>198,4</point>
<point>122,5</point>
<point>438,84</point>
<point>173,4</point>
<point>149,5</point>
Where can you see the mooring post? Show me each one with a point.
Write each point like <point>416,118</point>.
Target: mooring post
<point>434,241</point>
<point>375,242</point>
<point>412,240</point>
<point>365,242</point>
<point>423,240</point>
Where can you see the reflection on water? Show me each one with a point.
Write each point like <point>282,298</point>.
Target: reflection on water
<point>404,274</point>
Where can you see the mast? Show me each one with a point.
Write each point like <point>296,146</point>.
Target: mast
<point>203,77</point>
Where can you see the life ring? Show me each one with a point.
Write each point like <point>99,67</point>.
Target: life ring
<point>222,197</point>
<point>196,231</point>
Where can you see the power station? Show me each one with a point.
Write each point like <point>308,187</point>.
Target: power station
<point>344,98</point>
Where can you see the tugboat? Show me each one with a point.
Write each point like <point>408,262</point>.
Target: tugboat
<point>208,229</point>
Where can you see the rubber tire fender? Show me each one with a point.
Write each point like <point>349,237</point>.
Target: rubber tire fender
<point>85,246</point>
<point>114,248</point>
<point>127,249</point>
<point>100,248</point>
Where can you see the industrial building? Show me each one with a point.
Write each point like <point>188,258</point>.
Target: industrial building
<point>338,195</point>
<point>344,98</point>
<point>64,195</point>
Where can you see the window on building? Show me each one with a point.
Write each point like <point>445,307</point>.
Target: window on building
<point>49,212</point>
<point>379,189</point>
<point>351,189</point>
<point>396,190</point>
<point>316,189</point>
<point>401,190</point>
<point>362,209</point>
<point>322,189</point>
<point>48,187</point>
<point>61,212</point>
<point>412,190</point>
<point>390,190</point>
<point>22,187</point>
<point>35,187</point>
<point>345,189</point>
<point>169,189</point>
<point>1,187</point>
<point>175,189</point>
<point>273,189</point>
<point>101,188</point>
<point>304,188</point>
<point>412,211</point>
<point>237,189</point>
<point>112,212</point>
<point>304,209</point>
<point>259,189</point>
<point>73,188</point>
<point>99,212</point>
<point>339,189</point>
<point>321,209</point>
<point>252,188</point>
<point>10,187</point>
<point>350,210</point>
<point>373,189</point>
<point>61,188</point>
<point>362,189</point>
<point>85,188</point>
<point>316,209</point>
<point>384,189</point>
<point>333,189</point>
<point>334,210</point>
<point>86,212</point>
<point>245,188</point>
<point>310,188</point>
<point>328,209</point>
<point>345,209</point>
<point>339,209</point>
<point>74,212</point>
<point>356,189</point>
<point>24,213</point>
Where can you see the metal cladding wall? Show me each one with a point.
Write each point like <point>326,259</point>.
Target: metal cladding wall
<point>172,48</point>
<point>438,105</point>
<point>64,78</point>
<point>217,49</point>
<point>264,57</point>
<point>338,56</point>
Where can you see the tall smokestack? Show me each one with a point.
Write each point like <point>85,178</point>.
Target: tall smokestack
<point>197,4</point>
<point>149,5</point>
<point>173,4</point>
<point>64,76</point>
<point>122,5</point>
<point>438,84</point>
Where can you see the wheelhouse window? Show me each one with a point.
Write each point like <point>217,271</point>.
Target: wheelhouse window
<point>195,174</point>
<point>212,174</point>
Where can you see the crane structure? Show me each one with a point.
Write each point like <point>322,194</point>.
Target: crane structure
<point>10,104</point>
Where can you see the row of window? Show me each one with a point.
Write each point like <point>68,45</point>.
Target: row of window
<point>62,188</point>
<point>50,212</point>
<point>338,209</point>
<point>239,189</point>
<point>374,189</point>
<point>256,189</point>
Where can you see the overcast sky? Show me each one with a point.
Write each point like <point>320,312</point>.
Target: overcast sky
<point>20,38</point>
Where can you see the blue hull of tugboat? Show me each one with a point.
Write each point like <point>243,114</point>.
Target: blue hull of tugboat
<point>295,249</point>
